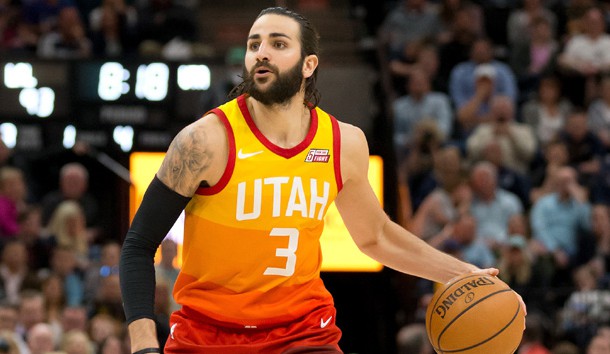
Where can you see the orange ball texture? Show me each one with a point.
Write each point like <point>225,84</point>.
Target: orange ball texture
<point>475,314</point>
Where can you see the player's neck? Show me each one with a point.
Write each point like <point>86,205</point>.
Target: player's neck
<point>285,125</point>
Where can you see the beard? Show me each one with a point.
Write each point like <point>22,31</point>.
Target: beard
<point>281,90</point>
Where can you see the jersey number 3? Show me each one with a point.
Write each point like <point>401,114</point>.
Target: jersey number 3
<point>289,252</point>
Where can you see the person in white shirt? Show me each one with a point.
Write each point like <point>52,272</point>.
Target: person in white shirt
<point>586,55</point>
<point>517,140</point>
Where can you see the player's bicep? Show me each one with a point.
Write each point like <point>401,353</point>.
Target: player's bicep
<point>357,203</point>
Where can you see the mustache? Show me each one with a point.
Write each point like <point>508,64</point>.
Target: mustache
<point>263,64</point>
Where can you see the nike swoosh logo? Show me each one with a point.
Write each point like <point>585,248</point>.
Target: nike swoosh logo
<point>245,155</point>
<point>171,331</point>
<point>325,323</point>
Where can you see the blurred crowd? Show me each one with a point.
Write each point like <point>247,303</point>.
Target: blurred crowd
<point>501,132</point>
<point>500,114</point>
<point>59,285</point>
<point>77,29</point>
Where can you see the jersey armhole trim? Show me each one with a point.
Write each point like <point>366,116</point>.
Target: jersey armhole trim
<point>337,150</point>
<point>226,176</point>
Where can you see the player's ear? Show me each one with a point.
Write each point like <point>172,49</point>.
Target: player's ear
<point>309,65</point>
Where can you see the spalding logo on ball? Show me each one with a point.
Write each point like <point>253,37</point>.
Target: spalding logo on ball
<point>475,314</point>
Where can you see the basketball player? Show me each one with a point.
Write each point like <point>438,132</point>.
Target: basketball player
<point>256,176</point>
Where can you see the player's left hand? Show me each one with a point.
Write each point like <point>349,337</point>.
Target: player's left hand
<point>494,272</point>
<point>487,271</point>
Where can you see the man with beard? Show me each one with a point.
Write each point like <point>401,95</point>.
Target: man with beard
<point>255,177</point>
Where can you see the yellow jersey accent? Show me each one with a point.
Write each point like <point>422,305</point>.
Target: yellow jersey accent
<point>251,251</point>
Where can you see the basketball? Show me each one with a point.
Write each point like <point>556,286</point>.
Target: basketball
<point>475,314</point>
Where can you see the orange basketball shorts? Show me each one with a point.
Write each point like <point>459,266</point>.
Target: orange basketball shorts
<point>193,333</point>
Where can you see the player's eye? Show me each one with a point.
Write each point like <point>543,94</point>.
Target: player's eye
<point>279,45</point>
<point>254,46</point>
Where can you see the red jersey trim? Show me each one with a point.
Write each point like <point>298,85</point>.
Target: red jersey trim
<point>226,176</point>
<point>337,151</point>
<point>286,153</point>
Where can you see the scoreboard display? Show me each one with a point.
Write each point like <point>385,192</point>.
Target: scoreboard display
<point>138,105</point>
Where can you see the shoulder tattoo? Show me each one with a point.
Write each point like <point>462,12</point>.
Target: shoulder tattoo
<point>188,157</point>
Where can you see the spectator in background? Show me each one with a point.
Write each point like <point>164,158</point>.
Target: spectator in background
<point>55,301</point>
<point>108,299</point>
<point>585,150</point>
<point>412,339</point>
<point>448,200</point>
<point>101,327</point>
<point>599,113</point>
<point>10,16</point>
<point>42,16</point>
<point>461,235</point>
<point>465,28</point>
<point>555,155</point>
<point>473,83</point>
<point>31,311</point>
<point>111,345</point>
<point>76,342</point>
<point>408,24</point>
<point>534,58</point>
<point>68,41</point>
<point>515,262</point>
<point>571,14</point>
<point>163,25</point>
<point>165,270</point>
<point>496,14</point>
<point>599,344</point>
<point>74,318</point>
<point>600,192</point>
<point>516,140</point>
<point>556,222</point>
<point>108,265</point>
<point>67,226</point>
<point>73,185</point>
<point>521,20</point>
<point>40,339</point>
<point>585,57</point>
<point>449,14</point>
<point>162,311</point>
<point>39,245</point>
<point>220,88</point>
<point>8,345</point>
<point>492,207</point>
<point>113,27</point>
<point>9,316</point>
<point>565,347</point>
<point>548,111</point>
<point>533,335</point>
<point>13,193</point>
<point>601,232</point>
<point>509,179</point>
<point>420,104</point>
<point>414,169</point>
<point>64,265</point>
<point>587,308</point>
<point>428,60</point>
<point>15,275</point>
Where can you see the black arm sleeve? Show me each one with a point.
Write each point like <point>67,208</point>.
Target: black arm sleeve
<point>158,212</point>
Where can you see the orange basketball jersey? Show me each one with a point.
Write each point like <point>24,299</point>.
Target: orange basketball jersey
<point>252,254</point>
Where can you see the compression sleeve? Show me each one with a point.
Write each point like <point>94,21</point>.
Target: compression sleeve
<point>157,213</point>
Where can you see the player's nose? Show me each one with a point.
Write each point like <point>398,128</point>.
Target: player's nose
<point>263,52</point>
